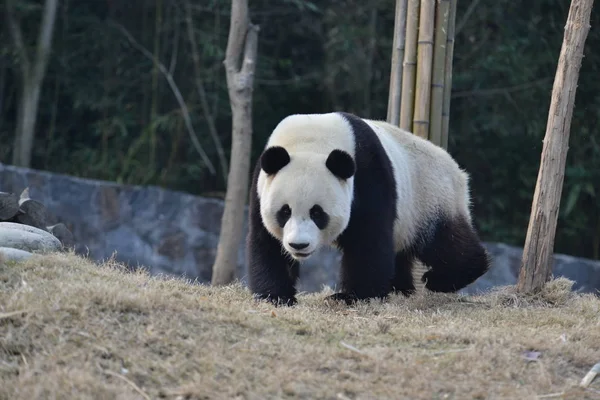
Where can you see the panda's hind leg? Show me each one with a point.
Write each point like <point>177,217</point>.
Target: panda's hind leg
<point>455,255</point>
<point>403,276</point>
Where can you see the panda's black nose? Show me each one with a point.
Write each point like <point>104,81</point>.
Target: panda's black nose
<point>299,246</point>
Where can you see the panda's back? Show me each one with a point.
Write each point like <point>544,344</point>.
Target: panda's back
<point>429,182</point>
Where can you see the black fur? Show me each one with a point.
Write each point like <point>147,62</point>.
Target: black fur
<point>451,249</point>
<point>319,216</point>
<point>367,244</point>
<point>403,278</point>
<point>456,256</point>
<point>340,164</point>
<point>370,268</point>
<point>283,215</point>
<point>273,159</point>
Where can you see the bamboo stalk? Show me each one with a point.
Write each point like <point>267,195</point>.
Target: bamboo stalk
<point>442,13</point>
<point>393,113</point>
<point>409,65</point>
<point>424,66</point>
<point>448,77</point>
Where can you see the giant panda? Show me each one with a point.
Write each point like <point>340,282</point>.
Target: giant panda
<point>381,195</point>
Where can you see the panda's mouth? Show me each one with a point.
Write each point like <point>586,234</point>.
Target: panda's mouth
<point>301,255</point>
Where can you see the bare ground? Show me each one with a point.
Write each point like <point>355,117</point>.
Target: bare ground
<point>70,329</point>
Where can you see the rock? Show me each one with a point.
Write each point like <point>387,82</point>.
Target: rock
<point>32,212</point>
<point>28,238</point>
<point>25,212</point>
<point>9,205</point>
<point>10,254</point>
<point>62,233</point>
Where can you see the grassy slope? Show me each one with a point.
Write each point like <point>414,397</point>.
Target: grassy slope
<point>99,332</point>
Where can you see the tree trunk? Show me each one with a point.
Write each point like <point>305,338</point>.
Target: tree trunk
<point>27,116</point>
<point>536,265</point>
<point>32,76</point>
<point>242,42</point>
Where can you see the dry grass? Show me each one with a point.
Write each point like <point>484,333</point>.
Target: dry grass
<point>72,330</point>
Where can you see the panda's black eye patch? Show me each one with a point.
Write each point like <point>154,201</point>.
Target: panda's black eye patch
<point>319,217</point>
<point>283,215</point>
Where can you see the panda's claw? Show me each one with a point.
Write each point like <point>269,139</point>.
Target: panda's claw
<point>277,300</point>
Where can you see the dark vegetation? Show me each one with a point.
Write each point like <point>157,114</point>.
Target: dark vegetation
<point>107,112</point>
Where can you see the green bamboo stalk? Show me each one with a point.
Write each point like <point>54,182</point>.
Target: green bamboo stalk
<point>442,13</point>
<point>410,63</point>
<point>448,77</point>
<point>393,112</point>
<point>424,66</point>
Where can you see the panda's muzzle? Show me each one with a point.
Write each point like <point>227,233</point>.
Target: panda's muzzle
<point>301,255</point>
<point>298,246</point>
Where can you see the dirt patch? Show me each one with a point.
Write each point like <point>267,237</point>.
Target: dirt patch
<point>72,329</point>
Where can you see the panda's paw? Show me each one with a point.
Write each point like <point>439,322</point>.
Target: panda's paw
<point>406,292</point>
<point>350,299</point>
<point>437,282</point>
<point>277,300</point>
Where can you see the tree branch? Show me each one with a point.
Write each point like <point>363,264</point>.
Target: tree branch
<point>495,91</point>
<point>461,24</point>
<point>176,92</point>
<point>17,36</point>
<point>175,51</point>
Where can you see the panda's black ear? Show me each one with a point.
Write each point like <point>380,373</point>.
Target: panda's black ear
<point>341,164</point>
<point>273,159</point>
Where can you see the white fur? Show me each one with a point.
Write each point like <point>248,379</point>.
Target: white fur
<point>428,180</point>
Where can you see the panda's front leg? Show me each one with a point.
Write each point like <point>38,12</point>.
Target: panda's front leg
<point>271,274</point>
<point>368,264</point>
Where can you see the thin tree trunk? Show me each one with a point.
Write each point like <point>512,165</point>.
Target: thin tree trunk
<point>536,265</point>
<point>242,42</point>
<point>27,116</point>
<point>32,78</point>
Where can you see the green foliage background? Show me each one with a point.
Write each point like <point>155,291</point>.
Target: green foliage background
<point>107,113</point>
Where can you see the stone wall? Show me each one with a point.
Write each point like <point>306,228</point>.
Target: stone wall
<point>177,233</point>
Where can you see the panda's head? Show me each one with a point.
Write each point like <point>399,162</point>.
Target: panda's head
<point>306,197</point>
